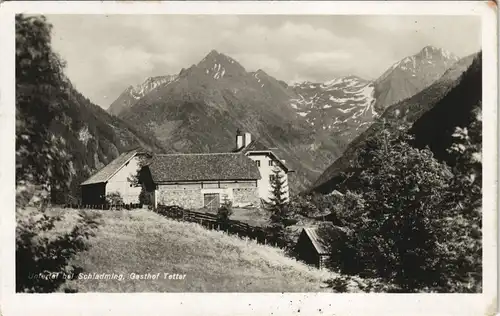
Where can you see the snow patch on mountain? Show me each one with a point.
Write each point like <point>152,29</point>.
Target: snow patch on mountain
<point>150,84</point>
<point>338,105</point>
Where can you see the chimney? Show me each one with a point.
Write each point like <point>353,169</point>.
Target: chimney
<point>248,139</point>
<point>239,139</point>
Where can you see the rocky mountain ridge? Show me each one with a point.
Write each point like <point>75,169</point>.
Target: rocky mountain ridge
<point>199,109</point>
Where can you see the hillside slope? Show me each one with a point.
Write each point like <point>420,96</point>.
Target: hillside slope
<point>61,137</point>
<point>94,138</point>
<point>411,75</point>
<point>435,127</point>
<point>454,89</point>
<point>143,242</point>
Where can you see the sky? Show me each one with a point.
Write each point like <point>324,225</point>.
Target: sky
<point>107,53</point>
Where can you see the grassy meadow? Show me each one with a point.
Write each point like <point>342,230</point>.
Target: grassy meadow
<point>141,242</point>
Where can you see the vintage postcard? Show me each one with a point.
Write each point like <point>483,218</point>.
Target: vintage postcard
<point>233,158</point>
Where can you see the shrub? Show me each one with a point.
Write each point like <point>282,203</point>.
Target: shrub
<point>43,253</point>
<point>171,211</point>
<point>225,211</point>
<point>144,197</point>
<point>114,198</point>
<point>303,205</point>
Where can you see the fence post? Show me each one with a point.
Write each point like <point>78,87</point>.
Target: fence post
<point>265,241</point>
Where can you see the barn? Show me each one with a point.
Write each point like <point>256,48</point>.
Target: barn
<point>113,178</point>
<point>204,180</point>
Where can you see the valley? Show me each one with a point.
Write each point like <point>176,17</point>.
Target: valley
<point>311,123</point>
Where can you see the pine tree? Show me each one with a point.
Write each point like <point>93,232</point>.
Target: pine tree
<point>279,208</point>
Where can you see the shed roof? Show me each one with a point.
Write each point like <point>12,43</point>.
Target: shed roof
<point>202,167</point>
<point>110,169</point>
<point>312,233</point>
<point>317,241</point>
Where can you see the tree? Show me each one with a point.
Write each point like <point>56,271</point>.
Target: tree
<point>42,164</point>
<point>413,221</point>
<point>463,251</point>
<point>393,206</point>
<point>140,178</point>
<point>279,209</point>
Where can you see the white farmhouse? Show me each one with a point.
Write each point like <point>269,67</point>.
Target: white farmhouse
<point>266,160</point>
<point>113,178</point>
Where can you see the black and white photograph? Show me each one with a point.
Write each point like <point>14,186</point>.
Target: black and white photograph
<point>225,152</point>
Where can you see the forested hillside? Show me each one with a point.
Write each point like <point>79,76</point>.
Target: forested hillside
<point>59,132</point>
<point>449,101</point>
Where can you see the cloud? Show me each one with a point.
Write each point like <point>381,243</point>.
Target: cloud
<point>106,54</point>
<point>324,58</point>
<point>253,62</point>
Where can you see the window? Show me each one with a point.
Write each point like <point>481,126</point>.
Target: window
<point>271,163</point>
<point>271,177</point>
<point>258,163</point>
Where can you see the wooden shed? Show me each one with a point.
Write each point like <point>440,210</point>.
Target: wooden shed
<point>310,248</point>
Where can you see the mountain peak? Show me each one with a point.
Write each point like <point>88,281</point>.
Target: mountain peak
<point>261,72</point>
<point>213,53</point>
<point>430,51</point>
<point>216,56</point>
<point>218,65</point>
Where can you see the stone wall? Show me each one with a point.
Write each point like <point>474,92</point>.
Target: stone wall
<point>244,196</point>
<point>187,198</point>
<point>191,195</point>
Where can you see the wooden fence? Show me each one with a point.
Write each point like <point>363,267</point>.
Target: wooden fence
<point>211,221</point>
<point>104,206</point>
<point>207,220</point>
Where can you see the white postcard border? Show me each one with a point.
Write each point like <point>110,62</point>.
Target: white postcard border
<point>250,303</point>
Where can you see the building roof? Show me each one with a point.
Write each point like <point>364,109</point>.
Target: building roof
<point>110,169</point>
<point>257,146</point>
<point>202,167</point>
<point>317,241</point>
<point>312,233</point>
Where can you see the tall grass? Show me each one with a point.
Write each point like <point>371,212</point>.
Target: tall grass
<point>143,242</point>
